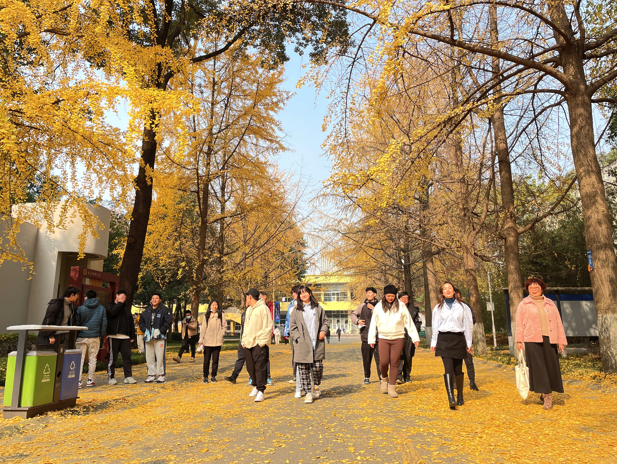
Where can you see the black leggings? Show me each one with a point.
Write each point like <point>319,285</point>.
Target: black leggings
<point>453,366</point>
<point>211,352</point>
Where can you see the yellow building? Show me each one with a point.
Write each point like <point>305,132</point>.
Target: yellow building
<point>333,293</point>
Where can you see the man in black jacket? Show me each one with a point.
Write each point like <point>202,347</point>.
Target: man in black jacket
<point>154,322</point>
<point>120,335</point>
<point>409,351</point>
<point>60,311</point>
<point>362,318</point>
<point>241,356</point>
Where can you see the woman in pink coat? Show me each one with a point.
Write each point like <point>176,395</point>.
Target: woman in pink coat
<point>540,333</point>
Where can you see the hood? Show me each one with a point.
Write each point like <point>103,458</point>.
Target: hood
<point>92,303</point>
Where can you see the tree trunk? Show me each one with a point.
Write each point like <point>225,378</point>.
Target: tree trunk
<point>136,239</point>
<point>510,231</point>
<point>598,227</point>
<point>431,295</point>
<point>407,276</point>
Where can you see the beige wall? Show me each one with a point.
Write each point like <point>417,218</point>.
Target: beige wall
<point>53,254</point>
<point>14,283</point>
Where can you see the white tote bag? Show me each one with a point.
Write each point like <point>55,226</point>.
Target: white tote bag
<point>522,376</point>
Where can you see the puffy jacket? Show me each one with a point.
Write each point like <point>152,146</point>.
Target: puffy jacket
<point>53,316</point>
<point>364,313</point>
<point>258,326</point>
<point>528,328</point>
<point>192,325</point>
<point>119,321</point>
<point>162,321</point>
<point>213,330</point>
<point>92,315</point>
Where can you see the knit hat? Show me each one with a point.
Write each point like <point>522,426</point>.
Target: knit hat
<point>390,289</point>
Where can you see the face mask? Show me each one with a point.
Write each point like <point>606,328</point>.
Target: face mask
<point>188,317</point>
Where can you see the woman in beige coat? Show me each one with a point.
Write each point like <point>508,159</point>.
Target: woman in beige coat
<point>213,330</point>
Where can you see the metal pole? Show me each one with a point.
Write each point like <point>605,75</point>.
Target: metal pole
<point>490,295</point>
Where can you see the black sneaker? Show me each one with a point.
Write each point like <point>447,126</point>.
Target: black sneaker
<point>206,380</point>
<point>230,379</point>
<point>407,380</point>
<point>213,380</point>
<point>367,381</point>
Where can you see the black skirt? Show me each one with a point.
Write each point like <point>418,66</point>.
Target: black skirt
<point>451,345</point>
<point>543,363</point>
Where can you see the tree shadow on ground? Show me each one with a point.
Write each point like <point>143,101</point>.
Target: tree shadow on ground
<point>340,391</point>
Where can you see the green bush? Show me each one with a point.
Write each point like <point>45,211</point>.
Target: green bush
<point>8,342</point>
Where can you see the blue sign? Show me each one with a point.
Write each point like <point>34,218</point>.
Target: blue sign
<point>589,261</point>
<point>277,311</point>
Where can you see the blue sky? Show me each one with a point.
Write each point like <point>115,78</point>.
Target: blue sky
<point>302,120</point>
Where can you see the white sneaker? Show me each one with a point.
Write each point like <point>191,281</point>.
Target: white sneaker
<point>130,380</point>
<point>259,397</point>
<point>112,382</point>
<point>161,379</point>
<point>150,379</point>
<point>253,392</point>
<point>309,398</point>
<point>316,393</point>
<point>298,394</point>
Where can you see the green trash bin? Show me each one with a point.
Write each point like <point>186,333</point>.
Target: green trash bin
<point>37,386</point>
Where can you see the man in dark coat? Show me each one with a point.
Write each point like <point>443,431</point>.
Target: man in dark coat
<point>471,370</point>
<point>241,354</point>
<point>60,311</point>
<point>362,317</point>
<point>409,351</point>
<point>120,334</point>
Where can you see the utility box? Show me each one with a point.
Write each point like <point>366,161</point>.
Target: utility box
<point>70,374</point>
<point>37,386</point>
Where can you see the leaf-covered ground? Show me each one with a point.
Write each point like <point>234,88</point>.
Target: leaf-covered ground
<point>187,421</point>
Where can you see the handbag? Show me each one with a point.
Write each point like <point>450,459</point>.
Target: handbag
<point>522,376</point>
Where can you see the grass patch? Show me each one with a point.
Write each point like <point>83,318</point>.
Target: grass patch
<point>586,367</point>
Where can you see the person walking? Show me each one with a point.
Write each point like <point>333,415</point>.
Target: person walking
<point>338,332</point>
<point>409,350</point>
<point>389,322</point>
<point>362,317</point>
<point>469,366</point>
<point>308,327</point>
<point>139,334</point>
<point>539,332</point>
<point>452,338</point>
<point>120,335</point>
<point>189,336</point>
<point>60,311</point>
<point>92,315</point>
<point>264,297</point>
<point>155,321</point>
<point>241,354</point>
<point>290,309</point>
<point>328,335</point>
<point>256,340</point>
<point>277,335</point>
<point>212,336</point>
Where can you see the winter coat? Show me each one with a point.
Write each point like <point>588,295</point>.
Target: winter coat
<point>213,330</point>
<point>290,310</point>
<point>528,328</point>
<point>53,316</point>
<point>119,321</point>
<point>162,322</point>
<point>364,313</point>
<point>299,335</point>
<point>93,315</point>
<point>258,326</point>
<point>391,324</point>
<point>192,325</point>
<point>417,320</point>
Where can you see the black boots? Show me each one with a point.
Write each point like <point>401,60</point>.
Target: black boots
<point>459,389</point>
<point>449,380</point>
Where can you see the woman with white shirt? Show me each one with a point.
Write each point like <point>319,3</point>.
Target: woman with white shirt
<point>452,337</point>
<point>307,331</point>
<point>390,319</point>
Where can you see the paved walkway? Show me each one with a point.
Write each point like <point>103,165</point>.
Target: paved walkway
<point>187,421</point>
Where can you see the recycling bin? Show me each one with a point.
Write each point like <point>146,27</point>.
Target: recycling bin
<point>70,374</point>
<point>37,386</point>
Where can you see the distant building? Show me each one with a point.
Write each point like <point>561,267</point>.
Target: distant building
<point>333,292</point>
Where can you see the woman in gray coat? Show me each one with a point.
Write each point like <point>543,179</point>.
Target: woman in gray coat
<point>307,330</point>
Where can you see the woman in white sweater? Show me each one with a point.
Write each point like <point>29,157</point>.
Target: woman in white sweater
<point>390,320</point>
<point>452,337</point>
